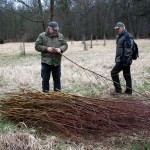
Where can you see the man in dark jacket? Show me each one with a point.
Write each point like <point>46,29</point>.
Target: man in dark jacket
<point>123,59</point>
<point>51,43</point>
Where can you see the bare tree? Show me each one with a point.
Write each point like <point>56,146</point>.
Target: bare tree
<point>84,43</point>
<point>51,10</point>
<point>28,18</point>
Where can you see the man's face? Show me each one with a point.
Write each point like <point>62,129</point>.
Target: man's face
<point>120,29</point>
<point>52,31</point>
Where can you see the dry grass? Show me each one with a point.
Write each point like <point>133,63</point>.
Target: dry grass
<point>18,141</point>
<point>22,139</point>
<point>17,72</point>
<point>24,72</point>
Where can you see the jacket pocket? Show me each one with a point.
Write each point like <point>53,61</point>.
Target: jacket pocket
<point>127,61</point>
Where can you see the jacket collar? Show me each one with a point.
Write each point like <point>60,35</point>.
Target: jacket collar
<point>123,32</point>
<point>49,34</point>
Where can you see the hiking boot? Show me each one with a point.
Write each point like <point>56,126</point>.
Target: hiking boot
<point>115,93</point>
<point>128,92</point>
<point>45,91</point>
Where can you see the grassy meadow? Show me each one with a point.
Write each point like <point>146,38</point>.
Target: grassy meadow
<point>19,72</point>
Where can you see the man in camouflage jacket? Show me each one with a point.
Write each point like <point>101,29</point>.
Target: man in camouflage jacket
<point>123,59</point>
<point>51,43</point>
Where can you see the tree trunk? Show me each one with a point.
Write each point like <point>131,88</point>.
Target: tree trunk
<point>104,40</point>
<point>91,41</point>
<point>52,10</point>
<point>23,52</point>
<point>41,12</point>
<point>84,43</point>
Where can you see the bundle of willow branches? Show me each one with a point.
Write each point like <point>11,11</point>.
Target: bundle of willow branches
<point>76,116</point>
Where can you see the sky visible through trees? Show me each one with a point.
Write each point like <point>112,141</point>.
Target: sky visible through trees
<point>23,20</point>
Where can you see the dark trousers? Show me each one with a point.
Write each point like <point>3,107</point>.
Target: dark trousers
<point>46,71</point>
<point>126,74</point>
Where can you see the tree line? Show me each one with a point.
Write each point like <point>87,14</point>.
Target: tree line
<point>23,20</point>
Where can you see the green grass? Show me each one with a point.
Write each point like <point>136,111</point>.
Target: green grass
<point>5,125</point>
<point>87,89</point>
<point>140,146</point>
<point>17,60</point>
<point>145,86</point>
<point>1,83</point>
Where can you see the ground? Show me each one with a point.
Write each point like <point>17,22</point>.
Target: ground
<point>18,71</point>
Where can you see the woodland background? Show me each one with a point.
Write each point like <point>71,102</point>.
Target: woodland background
<point>23,20</point>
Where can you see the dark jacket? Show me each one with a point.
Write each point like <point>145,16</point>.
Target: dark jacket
<point>45,40</point>
<point>124,48</point>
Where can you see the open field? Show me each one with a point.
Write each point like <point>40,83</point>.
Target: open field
<point>24,71</point>
<point>18,72</point>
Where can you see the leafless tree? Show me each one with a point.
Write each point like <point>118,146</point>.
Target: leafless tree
<point>25,19</point>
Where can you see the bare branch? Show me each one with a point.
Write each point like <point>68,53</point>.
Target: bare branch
<point>21,15</point>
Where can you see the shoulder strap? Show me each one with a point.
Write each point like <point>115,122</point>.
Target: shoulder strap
<point>128,40</point>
